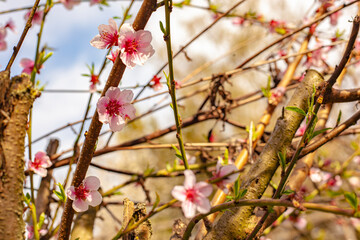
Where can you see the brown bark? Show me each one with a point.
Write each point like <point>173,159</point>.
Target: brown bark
<point>239,222</point>
<point>14,110</point>
<point>84,224</point>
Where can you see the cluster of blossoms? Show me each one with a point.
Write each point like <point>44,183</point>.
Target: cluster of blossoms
<point>134,46</point>
<point>332,182</point>
<point>3,32</point>
<point>115,108</point>
<point>194,195</point>
<point>85,194</point>
<point>276,95</point>
<point>69,4</point>
<point>40,163</point>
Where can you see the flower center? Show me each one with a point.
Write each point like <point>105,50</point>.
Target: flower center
<point>36,163</point>
<point>190,194</point>
<point>110,38</point>
<point>94,79</point>
<point>81,192</point>
<point>131,46</point>
<point>113,107</point>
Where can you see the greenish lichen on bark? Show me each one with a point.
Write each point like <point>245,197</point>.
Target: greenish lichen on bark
<point>239,222</point>
<point>17,101</point>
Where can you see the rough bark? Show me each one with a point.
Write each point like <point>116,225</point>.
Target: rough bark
<point>17,100</point>
<point>239,222</point>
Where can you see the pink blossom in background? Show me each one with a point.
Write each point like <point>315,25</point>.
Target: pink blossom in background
<point>318,176</point>
<point>155,83</point>
<point>85,194</point>
<point>94,79</point>
<point>11,25</point>
<point>30,232</point>
<point>356,160</point>
<point>27,65</point>
<point>108,37</point>
<point>115,108</point>
<point>334,18</point>
<point>93,2</point>
<point>277,27</point>
<point>40,163</point>
<point>3,44</point>
<point>37,16</point>
<point>223,170</point>
<point>334,183</point>
<point>113,55</point>
<point>238,21</point>
<point>298,222</point>
<point>135,46</point>
<point>190,159</point>
<point>316,58</point>
<point>301,130</point>
<point>193,195</point>
<point>69,4</point>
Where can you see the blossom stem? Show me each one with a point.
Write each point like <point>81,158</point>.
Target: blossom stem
<point>167,38</point>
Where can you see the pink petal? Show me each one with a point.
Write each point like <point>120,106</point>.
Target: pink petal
<point>92,183</point>
<point>101,109</point>
<point>179,193</point>
<point>70,192</point>
<point>117,123</point>
<point>3,45</point>
<point>80,205</point>
<point>127,59</point>
<point>41,172</point>
<point>113,93</point>
<point>113,24</point>
<point>125,29</point>
<point>98,42</point>
<point>204,188</point>
<point>128,111</point>
<point>94,198</point>
<point>203,205</point>
<point>189,209</point>
<point>126,96</point>
<point>26,62</point>
<point>190,179</point>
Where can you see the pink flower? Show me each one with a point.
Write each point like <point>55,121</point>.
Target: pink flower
<point>135,46</point>
<point>93,2</point>
<point>10,24</point>
<point>318,176</point>
<point>40,163</point>
<point>301,130</point>
<point>299,222</point>
<point>114,108</point>
<point>193,195</point>
<point>85,194</point>
<point>238,21</point>
<point>316,58</point>
<point>94,79</point>
<point>190,160</point>
<point>69,4</point>
<point>222,171</point>
<point>334,183</point>
<point>37,16</point>
<point>108,37</point>
<point>27,64</point>
<point>113,55</point>
<point>30,232</point>
<point>334,18</point>
<point>3,44</point>
<point>155,83</point>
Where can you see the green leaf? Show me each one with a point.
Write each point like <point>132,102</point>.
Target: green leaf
<point>117,193</point>
<point>319,132</point>
<point>296,109</point>
<point>226,156</point>
<point>162,28</point>
<point>338,119</point>
<point>288,192</point>
<point>282,159</point>
<point>242,193</point>
<point>41,220</point>
<point>58,194</point>
<point>148,171</point>
<point>352,199</point>
<point>156,203</point>
<point>236,188</point>
<point>49,3</point>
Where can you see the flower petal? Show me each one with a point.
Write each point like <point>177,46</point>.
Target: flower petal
<point>41,171</point>
<point>189,209</point>
<point>113,93</point>
<point>190,179</point>
<point>128,111</point>
<point>101,109</point>
<point>70,192</point>
<point>126,96</point>
<point>117,123</point>
<point>97,42</point>
<point>94,198</point>
<point>80,205</point>
<point>204,188</point>
<point>179,193</point>
<point>203,205</point>
<point>91,183</point>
